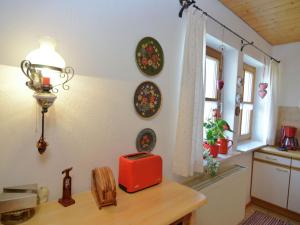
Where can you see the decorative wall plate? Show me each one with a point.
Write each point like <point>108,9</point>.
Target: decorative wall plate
<point>146,140</point>
<point>149,56</point>
<point>147,99</point>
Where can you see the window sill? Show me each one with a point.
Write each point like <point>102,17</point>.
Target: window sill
<point>249,145</point>
<point>224,157</point>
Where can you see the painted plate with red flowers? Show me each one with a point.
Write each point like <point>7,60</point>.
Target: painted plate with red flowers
<point>147,99</point>
<point>146,140</point>
<point>149,56</point>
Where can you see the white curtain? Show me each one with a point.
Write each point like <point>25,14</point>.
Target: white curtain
<point>187,157</point>
<point>272,103</point>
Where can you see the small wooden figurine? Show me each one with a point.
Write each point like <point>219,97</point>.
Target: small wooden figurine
<point>104,187</point>
<point>66,199</point>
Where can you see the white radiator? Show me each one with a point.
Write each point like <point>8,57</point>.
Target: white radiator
<point>226,195</point>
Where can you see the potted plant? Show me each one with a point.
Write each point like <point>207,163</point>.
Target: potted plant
<point>212,165</point>
<point>215,130</point>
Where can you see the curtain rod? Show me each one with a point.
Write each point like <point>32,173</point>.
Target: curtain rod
<point>187,3</point>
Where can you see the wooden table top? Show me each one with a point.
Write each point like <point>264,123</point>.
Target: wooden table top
<point>158,205</point>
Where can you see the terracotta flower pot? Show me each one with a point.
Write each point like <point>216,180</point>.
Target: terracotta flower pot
<point>213,149</point>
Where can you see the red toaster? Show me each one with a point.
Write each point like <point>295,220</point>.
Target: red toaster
<point>139,170</point>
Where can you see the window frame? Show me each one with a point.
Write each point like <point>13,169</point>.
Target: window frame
<point>252,70</point>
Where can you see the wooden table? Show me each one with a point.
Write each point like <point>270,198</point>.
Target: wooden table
<point>162,204</point>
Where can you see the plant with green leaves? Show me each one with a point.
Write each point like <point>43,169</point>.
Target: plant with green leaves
<point>212,165</point>
<point>215,129</point>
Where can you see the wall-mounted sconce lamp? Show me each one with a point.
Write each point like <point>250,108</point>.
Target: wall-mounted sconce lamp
<point>46,71</point>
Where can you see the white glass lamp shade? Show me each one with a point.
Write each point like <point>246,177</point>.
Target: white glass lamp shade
<point>46,69</point>
<point>46,55</point>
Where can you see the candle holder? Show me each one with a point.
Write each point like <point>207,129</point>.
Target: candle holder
<point>41,67</point>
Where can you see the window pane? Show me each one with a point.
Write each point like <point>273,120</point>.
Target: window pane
<point>246,118</point>
<point>211,77</point>
<point>248,86</point>
<point>208,109</point>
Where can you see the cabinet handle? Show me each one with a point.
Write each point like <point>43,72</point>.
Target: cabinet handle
<point>269,158</point>
<point>282,170</point>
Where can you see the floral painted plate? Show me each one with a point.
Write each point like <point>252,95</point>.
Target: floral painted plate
<point>146,140</point>
<point>147,99</point>
<point>149,56</point>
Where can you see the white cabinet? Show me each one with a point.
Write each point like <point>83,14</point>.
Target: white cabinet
<point>270,183</point>
<point>294,195</point>
<point>272,158</point>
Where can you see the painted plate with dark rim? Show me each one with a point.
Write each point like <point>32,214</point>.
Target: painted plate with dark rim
<point>147,99</point>
<point>146,140</point>
<point>149,56</point>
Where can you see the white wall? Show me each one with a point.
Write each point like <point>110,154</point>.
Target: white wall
<point>289,55</point>
<point>94,122</point>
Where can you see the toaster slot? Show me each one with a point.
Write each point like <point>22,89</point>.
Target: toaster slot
<point>137,156</point>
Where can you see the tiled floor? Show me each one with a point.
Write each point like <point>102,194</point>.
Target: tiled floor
<point>252,208</point>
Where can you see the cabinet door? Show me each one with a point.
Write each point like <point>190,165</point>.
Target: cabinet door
<point>294,196</point>
<point>270,183</point>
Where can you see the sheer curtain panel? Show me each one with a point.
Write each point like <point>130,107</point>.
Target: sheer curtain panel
<point>187,157</point>
<point>272,104</point>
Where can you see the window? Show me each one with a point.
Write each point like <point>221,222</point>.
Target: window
<point>213,74</point>
<point>247,102</point>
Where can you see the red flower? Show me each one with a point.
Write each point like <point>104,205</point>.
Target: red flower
<point>154,59</point>
<point>152,99</point>
<point>144,101</point>
<point>144,61</point>
<point>149,49</point>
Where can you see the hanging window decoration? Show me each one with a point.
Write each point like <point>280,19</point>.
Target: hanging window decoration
<point>147,99</point>
<point>220,82</point>
<point>238,98</point>
<point>146,140</point>
<point>262,92</point>
<point>240,81</point>
<point>149,56</point>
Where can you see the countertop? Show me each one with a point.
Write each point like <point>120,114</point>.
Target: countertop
<point>273,150</point>
<point>158,205</point>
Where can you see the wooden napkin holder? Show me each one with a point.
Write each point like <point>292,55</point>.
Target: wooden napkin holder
<point>103,187</point>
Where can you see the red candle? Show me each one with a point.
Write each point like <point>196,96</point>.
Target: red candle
<point>46,81</point>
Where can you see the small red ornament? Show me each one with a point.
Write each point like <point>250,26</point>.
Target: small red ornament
<point>263,86</point>
<point>220,84</point>
<point>262,93</point>
<point>262,90</point>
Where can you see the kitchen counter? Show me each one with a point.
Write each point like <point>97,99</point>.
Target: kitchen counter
<point>273,150</point>
<point>162,204</point>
